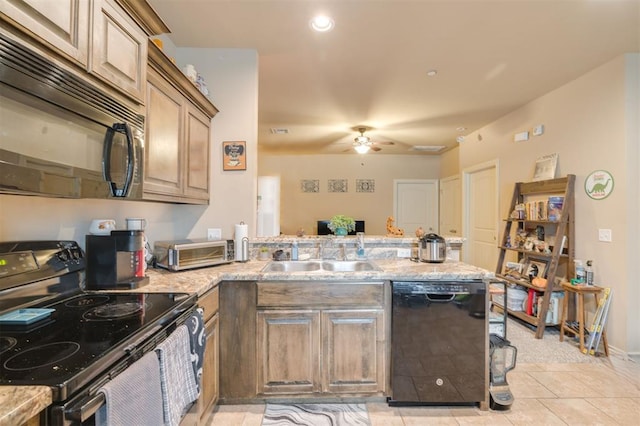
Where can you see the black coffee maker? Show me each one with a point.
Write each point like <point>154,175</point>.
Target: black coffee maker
<point>115,261</point>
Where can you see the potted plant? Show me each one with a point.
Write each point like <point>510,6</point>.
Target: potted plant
<point>341,225</point>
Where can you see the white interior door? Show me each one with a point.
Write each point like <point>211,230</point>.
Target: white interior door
<point>415,205</point>
<point>451,206</point>
<point>481,215</point>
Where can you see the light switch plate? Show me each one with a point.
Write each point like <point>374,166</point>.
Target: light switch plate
<point>520,137</point>
<point>538,130</point>
<point>605,235</point>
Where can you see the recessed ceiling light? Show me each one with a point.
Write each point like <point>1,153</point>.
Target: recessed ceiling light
<point>461,128</point>
<point>432,73</point>
<point>460,139</point>
<point>280,131</point>
<point>322,23</point>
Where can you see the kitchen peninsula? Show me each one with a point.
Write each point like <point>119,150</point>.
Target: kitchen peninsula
<point>18,403</point>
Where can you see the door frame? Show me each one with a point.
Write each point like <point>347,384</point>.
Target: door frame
<point>466,211</point>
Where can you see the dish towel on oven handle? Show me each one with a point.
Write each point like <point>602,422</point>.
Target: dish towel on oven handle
<point>134,396</point>
<point>197,337</point>
<point>177,380</point>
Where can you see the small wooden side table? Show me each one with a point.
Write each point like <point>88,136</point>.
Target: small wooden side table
<point>580,290</point>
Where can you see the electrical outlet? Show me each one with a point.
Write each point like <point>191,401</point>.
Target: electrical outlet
<point>605,235</point>
<point>214,234</point>
<point>404,252</point>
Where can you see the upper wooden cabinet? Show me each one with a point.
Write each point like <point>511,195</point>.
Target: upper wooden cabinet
<point>178,121</point>
<point>118,49</point>
<point>106,38</point>
<point>62,24</point>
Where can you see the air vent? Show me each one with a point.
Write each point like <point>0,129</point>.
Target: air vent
<point>279,131</point>
<point>427,148</point>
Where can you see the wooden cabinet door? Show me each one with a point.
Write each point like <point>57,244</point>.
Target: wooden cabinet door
<point>210,369</point>
<point>118,50</point>
<point>353,358</point>
<point>196,177</point>
<point>163,150</point>
<point>63,24</point>
<point>288,348</point>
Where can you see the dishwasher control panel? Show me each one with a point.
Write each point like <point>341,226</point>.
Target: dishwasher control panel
<point>438,287</point>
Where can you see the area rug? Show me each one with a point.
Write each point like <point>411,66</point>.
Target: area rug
<point>549,349</point>
<point>316,415</point>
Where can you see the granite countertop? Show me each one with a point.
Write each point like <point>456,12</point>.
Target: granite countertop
<point>20,403</point>
<point>200,280</point>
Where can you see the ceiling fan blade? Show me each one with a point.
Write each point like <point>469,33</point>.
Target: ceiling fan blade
<point>376,149</point>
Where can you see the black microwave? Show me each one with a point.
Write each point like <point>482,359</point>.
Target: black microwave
<point>63,136</point>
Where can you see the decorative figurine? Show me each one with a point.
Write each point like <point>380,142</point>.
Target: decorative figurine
<point>393,231</point>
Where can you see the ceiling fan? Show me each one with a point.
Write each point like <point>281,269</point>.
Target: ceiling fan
<point>362,144</point>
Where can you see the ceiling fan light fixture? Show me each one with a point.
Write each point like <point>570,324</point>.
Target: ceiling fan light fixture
<point>322,23</point>
<point>362,148</point>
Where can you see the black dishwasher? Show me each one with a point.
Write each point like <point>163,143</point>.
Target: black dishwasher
<point>439,343</point>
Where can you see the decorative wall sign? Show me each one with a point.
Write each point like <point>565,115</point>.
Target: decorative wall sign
<point>310,185</point>
<point>599,184</point>
<point>545,167</point>
<point>365,185</point>
<point>338,185</point>
<point>234,155</point>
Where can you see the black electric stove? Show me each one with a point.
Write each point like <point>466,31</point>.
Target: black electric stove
<point>88,337</point>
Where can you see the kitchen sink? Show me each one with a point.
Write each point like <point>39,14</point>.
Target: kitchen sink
<point>292,266</point>
<point>317,265</point>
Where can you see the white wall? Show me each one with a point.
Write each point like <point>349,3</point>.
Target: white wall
<point>232,78</point>
<point>592,123</point>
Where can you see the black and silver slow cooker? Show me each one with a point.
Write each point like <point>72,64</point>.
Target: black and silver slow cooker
<point>432,248</point>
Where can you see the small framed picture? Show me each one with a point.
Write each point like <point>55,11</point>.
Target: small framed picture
<point>545,167</point>
<point>234,155</point>
<point>536,268</point>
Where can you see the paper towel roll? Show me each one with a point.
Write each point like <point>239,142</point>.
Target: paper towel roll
<point>242,231</point>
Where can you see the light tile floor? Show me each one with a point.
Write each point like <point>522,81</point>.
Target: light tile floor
<point>606,393</point>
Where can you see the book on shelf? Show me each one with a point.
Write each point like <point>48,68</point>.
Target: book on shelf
<point>555,208</point>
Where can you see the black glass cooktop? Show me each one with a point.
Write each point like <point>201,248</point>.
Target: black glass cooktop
<point>84,335</point>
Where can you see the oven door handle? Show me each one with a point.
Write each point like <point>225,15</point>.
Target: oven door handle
<point>85,408</point>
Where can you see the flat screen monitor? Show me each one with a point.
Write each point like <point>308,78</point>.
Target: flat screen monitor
<point>323,227</point>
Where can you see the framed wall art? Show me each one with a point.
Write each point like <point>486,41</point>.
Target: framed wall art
<point>310,185</point>
<point>338,185</point>
<point>599,184</point>
<point>234,155</point>
<point>365,185</point>
<point>545,167</point>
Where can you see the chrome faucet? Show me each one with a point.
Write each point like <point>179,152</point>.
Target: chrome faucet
<point>343,251</point>
<point>322,245</point>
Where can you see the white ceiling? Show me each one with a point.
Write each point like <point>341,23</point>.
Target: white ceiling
<point>491,57</point>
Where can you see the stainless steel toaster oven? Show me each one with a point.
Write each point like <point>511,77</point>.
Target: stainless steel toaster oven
<point>178,255</point>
